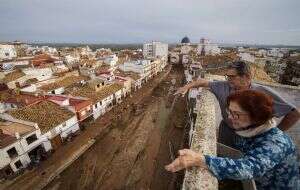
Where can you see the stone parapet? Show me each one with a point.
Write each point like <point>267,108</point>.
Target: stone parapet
<point>203,140</point>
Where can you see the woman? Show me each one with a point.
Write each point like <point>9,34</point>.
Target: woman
<point>269,155</point>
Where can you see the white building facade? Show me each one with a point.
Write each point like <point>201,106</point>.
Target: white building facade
<point>155,50</point>
<point>19,154</point>
<point>64,129</point>
<point>205,47</point>
<point>111,60</point>
<point>143,67</point>
<point>247,57</point>
<point>40,74</point>
<point>7,52</point>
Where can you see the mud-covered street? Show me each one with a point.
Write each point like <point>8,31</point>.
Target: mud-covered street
<point>132,152</point>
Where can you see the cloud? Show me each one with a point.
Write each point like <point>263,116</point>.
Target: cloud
<point>124,21</point>
<point>284,31</point>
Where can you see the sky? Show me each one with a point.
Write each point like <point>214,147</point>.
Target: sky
<point>269,22</point>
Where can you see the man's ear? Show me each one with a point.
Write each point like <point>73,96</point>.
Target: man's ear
<point>246,79</point>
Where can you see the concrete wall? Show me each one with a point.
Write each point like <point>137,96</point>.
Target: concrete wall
<point>5,159</point>
<point>7,51</point>
<point>60,90</point>
<point>99,110</point>
<point>71,126</point>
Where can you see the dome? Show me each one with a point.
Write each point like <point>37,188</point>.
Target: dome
<point>185,40</point>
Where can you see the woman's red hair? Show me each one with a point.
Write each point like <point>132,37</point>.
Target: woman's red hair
<point>258,104</point>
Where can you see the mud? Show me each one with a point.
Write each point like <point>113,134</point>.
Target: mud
<point>134,150</point>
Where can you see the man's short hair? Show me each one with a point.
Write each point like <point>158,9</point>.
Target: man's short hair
<point>241,67</point>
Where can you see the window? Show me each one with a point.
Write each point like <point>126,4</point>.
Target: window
<point>12,153</point>
<point>18,164</point>
<point>31,139</point>
<point>98,85</point>
<point>8,171</point>
<point>96,105</point>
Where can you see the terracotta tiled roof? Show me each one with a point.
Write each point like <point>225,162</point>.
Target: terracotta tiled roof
<point>102,69</point>
<point>13,76</point>
<point>9,96</point>
<point>32,81</point>
<point>214,59</point>
<point>11,128</point>
<point>4,95</point>
<point>64,82</point>
<point>88,62</point>
<point>133,75</point>
<point>42,59</point>
<point>95,82</point>
<point>104,92</point>
<point>78,104</point>
<point>21,99</point>
<point>45,113</point>
<point>6,140</point>
<point>57,98</point>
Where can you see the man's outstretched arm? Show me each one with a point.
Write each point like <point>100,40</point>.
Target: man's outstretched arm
<point>289,120</point>
<point>193,84</point>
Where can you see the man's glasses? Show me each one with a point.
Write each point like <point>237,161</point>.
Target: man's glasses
<point>230,77</point>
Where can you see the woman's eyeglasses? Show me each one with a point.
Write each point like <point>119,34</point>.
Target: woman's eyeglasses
<point>235,114</point>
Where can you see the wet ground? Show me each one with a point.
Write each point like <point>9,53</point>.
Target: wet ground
<point>132,152</point>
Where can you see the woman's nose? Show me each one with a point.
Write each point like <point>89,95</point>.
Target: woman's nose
<point>229,116</point>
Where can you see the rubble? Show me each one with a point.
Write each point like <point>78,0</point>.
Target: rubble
<point>65,82</point>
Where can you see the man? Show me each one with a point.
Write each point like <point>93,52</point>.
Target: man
<point>239,78</point>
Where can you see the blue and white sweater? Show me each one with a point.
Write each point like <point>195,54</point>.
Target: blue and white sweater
<point>269,158</point>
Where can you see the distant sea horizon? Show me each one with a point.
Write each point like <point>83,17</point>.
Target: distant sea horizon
<point>140,45</point>
<point>118,46</point>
